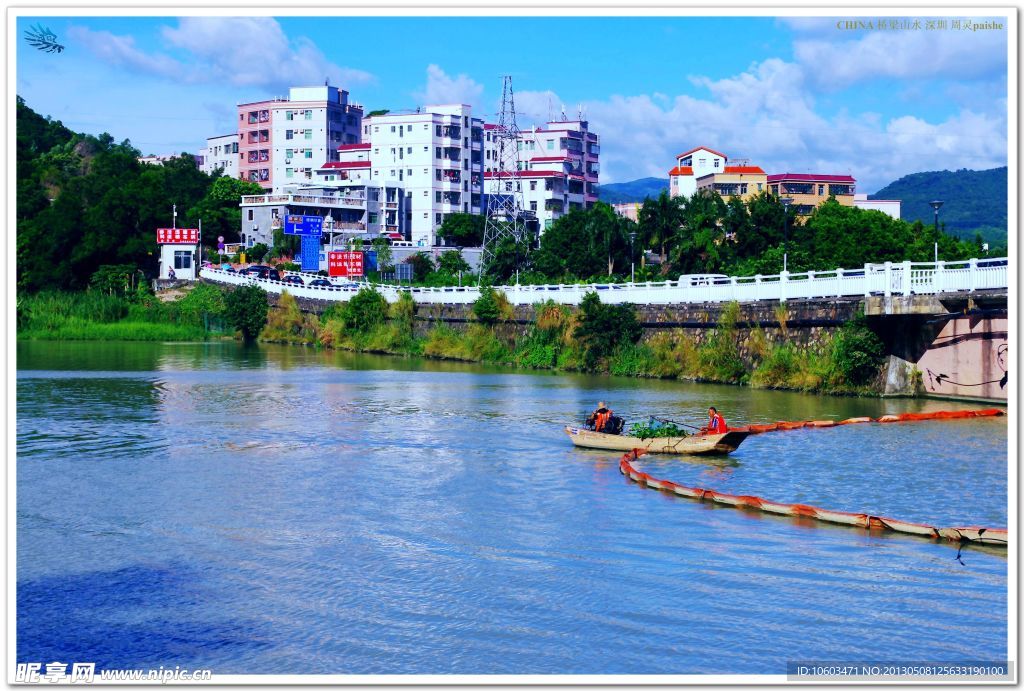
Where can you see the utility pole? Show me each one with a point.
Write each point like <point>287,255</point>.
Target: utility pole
<point>505,200</point>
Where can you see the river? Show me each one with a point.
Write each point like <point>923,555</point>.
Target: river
<point>282,510</point>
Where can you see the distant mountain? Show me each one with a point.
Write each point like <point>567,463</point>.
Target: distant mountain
<point>635,191</point>
<point>973,200</point>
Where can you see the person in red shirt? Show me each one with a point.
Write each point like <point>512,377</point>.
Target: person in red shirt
<point>716,423</point>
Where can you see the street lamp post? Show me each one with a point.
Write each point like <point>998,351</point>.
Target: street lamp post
<point>786,202</point>
<point>935,204</point>
<point>632,262</point>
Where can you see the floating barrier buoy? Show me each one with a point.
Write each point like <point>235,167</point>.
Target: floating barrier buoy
<point>901,417</point>
<point>988,536</point>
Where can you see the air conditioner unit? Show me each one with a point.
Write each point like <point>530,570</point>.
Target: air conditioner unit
<point>287,160</point>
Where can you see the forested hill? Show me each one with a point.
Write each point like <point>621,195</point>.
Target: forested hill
<point>973,200</point>
<point>633,191</point>
<point>84,202</point>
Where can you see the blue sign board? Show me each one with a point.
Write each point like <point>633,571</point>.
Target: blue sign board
<point>309,253</point>
<point>370,260</point>
<point>303,225</point>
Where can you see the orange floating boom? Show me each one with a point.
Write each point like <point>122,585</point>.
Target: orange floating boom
<point>988,536</point>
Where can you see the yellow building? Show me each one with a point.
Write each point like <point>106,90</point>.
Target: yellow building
<point>735,181</point>
<point>808,190</point>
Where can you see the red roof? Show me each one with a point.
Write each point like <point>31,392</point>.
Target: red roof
<point>810,177</point>
<point>353,147</point>
<point>681,170</point>
<point>525,174</point>
<point>550,158</point>
<point>489,126</point>
<point>346,164</point>
<point>717,153</point>
<point>743,169</point>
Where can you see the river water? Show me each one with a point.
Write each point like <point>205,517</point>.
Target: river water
<point>283,510</point>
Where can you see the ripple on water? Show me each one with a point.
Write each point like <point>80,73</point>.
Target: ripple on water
<point>288,511</point>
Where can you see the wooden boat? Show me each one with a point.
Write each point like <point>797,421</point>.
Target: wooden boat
<point>694,444</point>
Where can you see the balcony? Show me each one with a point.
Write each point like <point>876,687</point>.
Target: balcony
<point>451,131</point>
<point>797,188</point>
<point>451,197</point>
<point>593,169</point>
<point>453,176</point>
<point>573,145</point>
<point>451,153</point>
<point>334,201</point>
<point>477,135</point>
<point>594,149</point>
<point>553,205</point>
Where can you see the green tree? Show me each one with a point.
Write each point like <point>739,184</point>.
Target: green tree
<point>451,262</point>
<point>245,309</point>
<point>486,308</point>
<point>422,264</point>
<point>384,259</point>
<point>258,251</point>
<point>700,245</point>
<point>659,221</point>
<point>464,230</point>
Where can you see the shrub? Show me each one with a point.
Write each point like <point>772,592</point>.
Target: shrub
<point>719,357</point>
<point>365,310</point>
<point>258,251</point>
<point>246,309</point>
<point>602,328</point>
<point>286,323</point>
<point>486,308</point>
<point>857,353</point>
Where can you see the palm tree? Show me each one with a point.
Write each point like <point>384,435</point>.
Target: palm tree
<point>660,219</point>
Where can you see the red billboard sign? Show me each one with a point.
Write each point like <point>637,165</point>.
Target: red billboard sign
<point>345,263</point>
<point>177,236</point>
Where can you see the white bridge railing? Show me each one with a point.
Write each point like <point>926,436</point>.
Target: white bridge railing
<point>906,278</point>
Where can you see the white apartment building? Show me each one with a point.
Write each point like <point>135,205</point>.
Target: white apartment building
<point>435,156</point>
<point>693,164</point>
<point>890,207</point>
<point>558,168</point>
<point>283,141</point>
<point>221,153</point>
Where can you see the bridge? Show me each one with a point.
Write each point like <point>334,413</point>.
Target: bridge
<point>885,280</point>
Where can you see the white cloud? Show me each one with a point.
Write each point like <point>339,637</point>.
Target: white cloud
<point>441,89</point>
<point>767,114</point>
<point>241,51</point>
<point>832,63</point>
<point>121,51</point>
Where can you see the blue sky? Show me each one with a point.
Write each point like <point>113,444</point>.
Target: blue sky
<point>790,94</point>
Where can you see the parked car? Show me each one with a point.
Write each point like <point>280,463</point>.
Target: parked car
<point>294,280</point>
<point>702,279</point>
<point>259,271</point>
<point>323,282</point>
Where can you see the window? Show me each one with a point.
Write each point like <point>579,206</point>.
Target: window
<point>309,134</point>
<point>437,130</point>
<point>437,218</point>
<point>289,172</point>
<point>409,171</point>
<point>437,152</point>
<point>426,193</point>
<point>426,215</point>
<point>250,214</point>
<point>183,260</point>
<point>533,185</point>
<point>309,153</point>
<point>288,153</point>
<point>392,128</point>
<point>288,115</point>
<point>376,151</point>
<point>392,172</point>
<point>376,129</point>
<point>437,197</point>
<point>821,190</point>
<point>426,149</point>
<point>701,162</point>
<point>551,144</point>
<point>289,134</point>
<point>759,186</point>
<point>533,206</point>
<point>717,161</point>
<point>309,115</point>
<point>408,149</point>
<point>437,174</point>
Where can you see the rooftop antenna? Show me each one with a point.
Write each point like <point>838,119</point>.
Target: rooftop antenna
<point>505,200</point>
<point>563,112</point>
